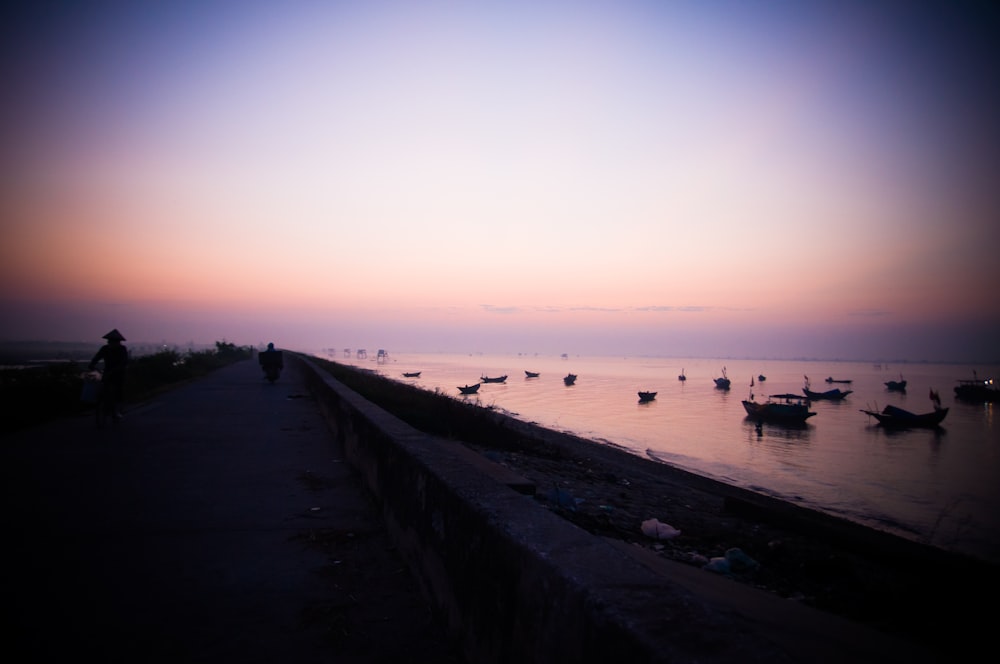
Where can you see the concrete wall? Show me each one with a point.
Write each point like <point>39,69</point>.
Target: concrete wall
<point>514,582</point>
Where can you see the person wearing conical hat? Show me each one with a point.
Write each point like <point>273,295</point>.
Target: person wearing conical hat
<point>114,354</point>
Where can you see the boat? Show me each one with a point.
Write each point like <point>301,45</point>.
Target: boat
<point>646,396</point>
<point>495,379</point>
<point>896,385</point>
<point>836,394</point>
<point>835,380</point>
<point>569,379</point>
<point>761,378</point>
<point>779,408</point>
<point>682,376</point>
<point>530,374</point>
<point>411,374</point>
<point>896,418</point>
<point>978,389</point>
<point>469,389</point>
<point>724,382</point>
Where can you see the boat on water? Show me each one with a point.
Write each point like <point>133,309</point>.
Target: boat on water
<point>682,376</point>
<point>761,378</point>
<point>646,396</point>
<point>835,394</point>
<point>411,374</point>
<point>569,379</point>
<point>723,383</point>
<point>894,417</point>
<point>469,389</point>
<point>896,385</point>
<point>530,374</point>
<point>779,408</point>
<point>835,380</point>
<point>494,379</point>
<point>978,389</point>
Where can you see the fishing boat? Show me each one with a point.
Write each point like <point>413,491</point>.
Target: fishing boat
<point>978,389</point>
<point>646,396</point>
<point>494,379</point>
<point>836,394</point>
<point>896,418</point>
<point>761,378</point>
<point>530,374</point>
<point>896,385</point>
<point>724,382</point>
<point>682,376</point>
<point>835,380</point>
<point>411,374</point>
<point>779,408</point>
<point>469,389</point>
<point>569,379</point>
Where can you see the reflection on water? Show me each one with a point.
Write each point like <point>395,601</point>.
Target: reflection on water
<point>934,485</point>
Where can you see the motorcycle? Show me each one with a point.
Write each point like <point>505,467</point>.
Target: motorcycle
<point>272,363</point>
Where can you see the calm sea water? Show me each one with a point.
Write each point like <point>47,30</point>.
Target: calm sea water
<point>936,486</point>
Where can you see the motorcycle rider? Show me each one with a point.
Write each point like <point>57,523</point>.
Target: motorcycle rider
<point>271,361</point>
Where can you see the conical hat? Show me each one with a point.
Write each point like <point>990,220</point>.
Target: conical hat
<point>114,335</point>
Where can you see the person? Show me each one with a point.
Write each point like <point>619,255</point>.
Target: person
<point>114,354</point>
<point>271,361</point>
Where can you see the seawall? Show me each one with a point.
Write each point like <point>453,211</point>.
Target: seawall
<point>513,582</point>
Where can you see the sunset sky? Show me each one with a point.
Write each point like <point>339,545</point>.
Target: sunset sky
<point>776,179</point>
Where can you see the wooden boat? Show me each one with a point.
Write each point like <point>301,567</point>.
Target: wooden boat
<point>569,379</point>
<point>646,396</point>
<point>495,379</point>
<point>411,374</point>
<point>897,418</point>
<point>834,380</point>
<point>682,376</point>
<point>896,385</point>
<point>978,390</point>
<point>530,374</point>
<point>779,408</point>
<point>469,389</point>
<point>724,382</point>
<point>836,394</point>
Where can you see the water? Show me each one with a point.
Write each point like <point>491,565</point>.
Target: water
<point>936,486</point>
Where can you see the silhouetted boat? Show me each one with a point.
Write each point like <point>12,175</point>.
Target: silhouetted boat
<point>834,380</point>
<point>530,374</point>
<point>897,418</point>
<point>682,376</point>
<point>469,389</point>
<point>495,379</point>
<point>896,385</point>
<point>761,378</point>
<point>977,389</point>
<point>836,394</point>
<point>411,374</point>
<point>789,409</point>
<point>724,382</point>
<point>646,396</point>
<point>570,379</point>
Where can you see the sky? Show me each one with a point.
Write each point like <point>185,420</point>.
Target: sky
<point>707,179</point>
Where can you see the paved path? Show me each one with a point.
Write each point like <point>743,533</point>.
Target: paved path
<point>215,524</point>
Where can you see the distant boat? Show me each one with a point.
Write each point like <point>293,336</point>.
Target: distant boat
<point>530,374</point>
<point>896,385</point>
<point>495,379</point>
<point>836,394</point>
<point>646,396</point>
<point>469,389</point>
<point>977,389</point>
<point>761,378</point>
<point>682,376</point>
<point>897,418</point>
<point>411,374</point>
<point>834,380</point>
<point>779,408</point>
<point>724,382</point>
<point>569,379</point>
